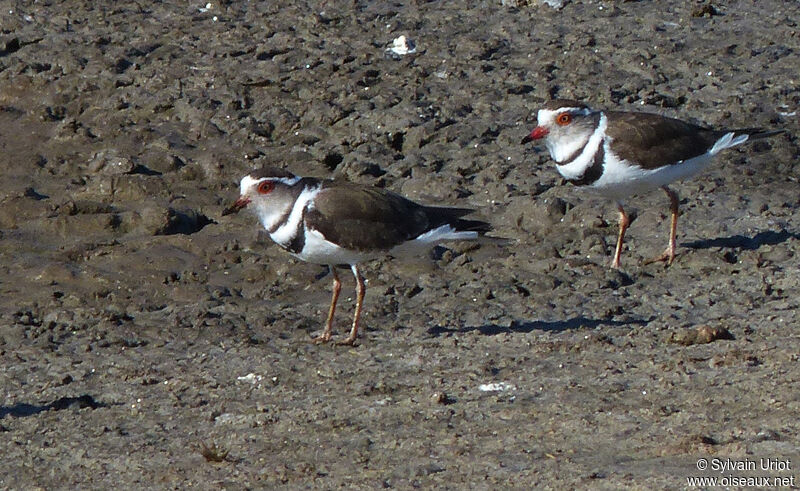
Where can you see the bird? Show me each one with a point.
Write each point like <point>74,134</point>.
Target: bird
<point>621,153</point>
<point>337,222</point>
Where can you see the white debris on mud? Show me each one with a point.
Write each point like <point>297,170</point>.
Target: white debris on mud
<point>402,46</point>
<point>497,387</point>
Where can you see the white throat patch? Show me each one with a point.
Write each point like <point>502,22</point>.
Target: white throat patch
<point>577,168</point>
<point>285,233</point>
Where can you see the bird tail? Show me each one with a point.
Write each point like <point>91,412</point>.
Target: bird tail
<point>757,132</point>
<point>737,137</point>
<point>443,215</point>
<point>446,224</point>
<point>462,225</point>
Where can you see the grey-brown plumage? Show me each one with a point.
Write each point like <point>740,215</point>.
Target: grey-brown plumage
<point>622,153</point>
<point>647,139</point>
<point>653,141</point>
<point>338,222</point>
<point>367,219</point>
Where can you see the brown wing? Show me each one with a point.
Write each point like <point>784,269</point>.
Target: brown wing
<point>654,141</point>
<point>364,218</point>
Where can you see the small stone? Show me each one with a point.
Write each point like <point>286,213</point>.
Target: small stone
<point>700,335</point>
<point>439,398</point>
<point>109,163</point>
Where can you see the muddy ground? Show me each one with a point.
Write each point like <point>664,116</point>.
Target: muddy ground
<point>138,325</point>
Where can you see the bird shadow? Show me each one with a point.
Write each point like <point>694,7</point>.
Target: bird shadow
<point>769,237</point>
<point>22,409</point>
<point>529,326</point>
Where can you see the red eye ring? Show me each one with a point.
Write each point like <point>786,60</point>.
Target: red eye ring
<point>564,119</point>
<point>265,187</point>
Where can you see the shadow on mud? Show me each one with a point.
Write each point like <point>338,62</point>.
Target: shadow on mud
<point>528,326</point>
<point>22,409</point>
<point>770,237</point>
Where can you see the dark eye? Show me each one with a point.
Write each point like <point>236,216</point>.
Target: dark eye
<point>265,187</point>
<point>564,119</point>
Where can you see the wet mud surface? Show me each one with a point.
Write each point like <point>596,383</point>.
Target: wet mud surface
<point>147,341</point>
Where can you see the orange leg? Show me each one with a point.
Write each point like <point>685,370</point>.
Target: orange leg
<point>669,253</point>
<point>624,221</point>
<point>361,290</point>
<point>337,287</point>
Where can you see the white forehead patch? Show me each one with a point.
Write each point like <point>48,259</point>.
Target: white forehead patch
<point>248,182</point>
<point>546,115</point>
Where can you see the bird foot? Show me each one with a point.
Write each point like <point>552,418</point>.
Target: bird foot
<point>322,338</point>
<point>667,257</point>
<point>350,341</point>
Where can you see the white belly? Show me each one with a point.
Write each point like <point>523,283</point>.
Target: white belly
<point>317,250</point>
<point>621,179</point>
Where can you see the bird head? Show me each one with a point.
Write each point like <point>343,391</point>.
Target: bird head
<point>564,125</point>
<point>269,192</point>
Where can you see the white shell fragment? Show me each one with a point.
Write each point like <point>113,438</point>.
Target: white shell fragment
<point>251,377</point>
<point>556,4</point>
<point>496,387</point>
<point>402,46</point>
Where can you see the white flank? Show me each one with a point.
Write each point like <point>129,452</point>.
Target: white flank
<point>318,250</point>
<point>286,232</point>
<point>622,178</point>
<point>727,141</point>
<point>431,238</point>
